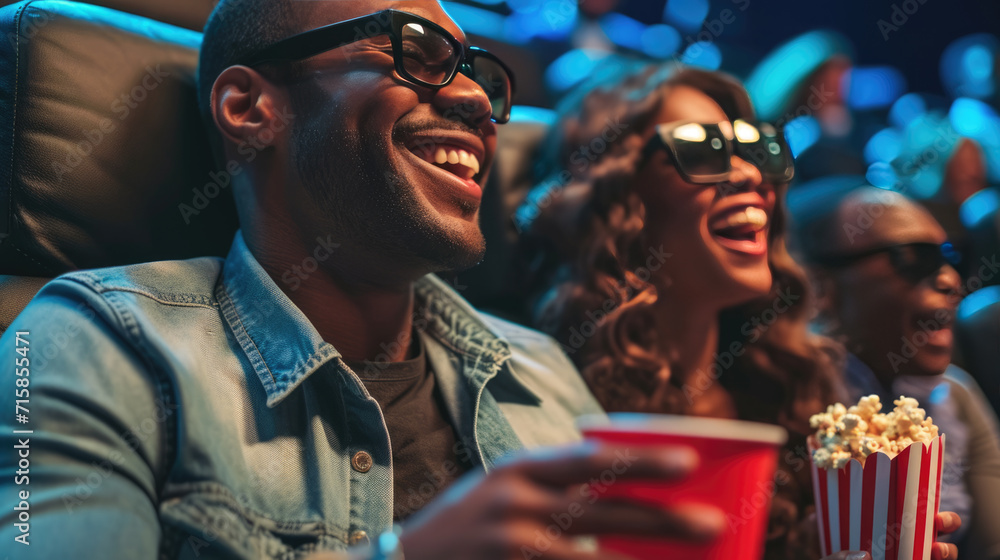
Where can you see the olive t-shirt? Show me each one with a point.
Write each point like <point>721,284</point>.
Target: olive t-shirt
<point>426,454</point>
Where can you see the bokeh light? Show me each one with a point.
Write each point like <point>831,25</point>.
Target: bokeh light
<point>686,14</point>
<point>572,68</point>
<point>702,54</point>
<point>873,87</point>
<point>967,66</point>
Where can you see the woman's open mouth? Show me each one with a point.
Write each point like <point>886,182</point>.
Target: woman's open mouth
<point>743,230</point>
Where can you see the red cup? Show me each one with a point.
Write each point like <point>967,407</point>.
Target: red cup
<point>735,474</point>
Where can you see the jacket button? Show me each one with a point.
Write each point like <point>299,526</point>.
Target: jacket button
<point>362,461</point>
<point>358,537</point>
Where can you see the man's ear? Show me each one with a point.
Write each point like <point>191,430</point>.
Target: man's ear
<point>245,104</point>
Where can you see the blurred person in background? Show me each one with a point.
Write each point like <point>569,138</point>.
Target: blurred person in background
<point>660,266</point>
<point>966,183</point>
<point>888,293</point>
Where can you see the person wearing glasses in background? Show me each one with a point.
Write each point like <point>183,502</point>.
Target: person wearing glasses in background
<point>888,290</point>
<point>320,383</point>
<point>662,270</point>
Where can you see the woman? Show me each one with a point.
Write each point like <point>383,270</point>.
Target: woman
<point>662,269</point>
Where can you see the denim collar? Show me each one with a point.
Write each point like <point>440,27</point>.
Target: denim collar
<point>285,349</point>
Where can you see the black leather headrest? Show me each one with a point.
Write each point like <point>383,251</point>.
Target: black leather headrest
<point>191,14</point>
<point>103,157</point>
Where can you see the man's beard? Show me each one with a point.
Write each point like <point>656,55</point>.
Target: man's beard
<point>369,203</point>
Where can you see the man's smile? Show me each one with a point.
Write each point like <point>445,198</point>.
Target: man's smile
<point>456,157</point>
<point>452,159</point>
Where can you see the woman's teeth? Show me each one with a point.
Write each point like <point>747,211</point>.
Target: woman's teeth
<point>752,216</point>
<point>457,157</point>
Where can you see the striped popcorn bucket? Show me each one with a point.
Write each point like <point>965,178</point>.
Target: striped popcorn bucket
<point>886,508</point>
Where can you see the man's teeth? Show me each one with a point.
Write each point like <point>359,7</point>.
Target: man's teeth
<point>751,216</point>
<point>457,157</point>
<point>469,161</point>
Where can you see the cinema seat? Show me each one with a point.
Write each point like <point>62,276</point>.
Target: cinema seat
<point>101,143</point>
<point>191,14</point>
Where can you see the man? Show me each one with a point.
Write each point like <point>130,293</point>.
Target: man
<point>888,291</point>
<point>318,384</point>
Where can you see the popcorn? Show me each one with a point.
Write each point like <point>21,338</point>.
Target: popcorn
<point>845,433</point>
<point>863,432</point>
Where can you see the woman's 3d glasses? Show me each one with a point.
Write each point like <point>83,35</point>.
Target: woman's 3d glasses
<point>702,152</point>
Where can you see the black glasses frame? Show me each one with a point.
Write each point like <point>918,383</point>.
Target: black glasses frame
<point>386,22</point>
<point>752,152</point>
<point>944,254</point>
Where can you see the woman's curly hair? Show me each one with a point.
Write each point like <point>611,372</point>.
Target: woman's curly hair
<point>593,292</point>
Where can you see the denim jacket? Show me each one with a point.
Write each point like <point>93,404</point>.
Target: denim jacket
<point>189,409</point>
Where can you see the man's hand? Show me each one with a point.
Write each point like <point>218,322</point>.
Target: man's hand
<point>532,506</point>
<point>946,522</point>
